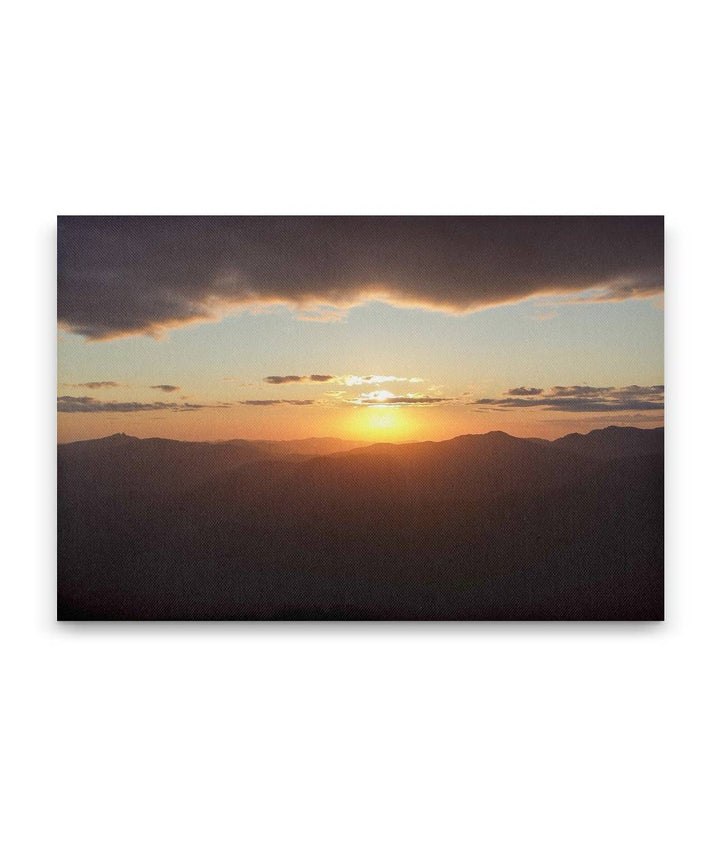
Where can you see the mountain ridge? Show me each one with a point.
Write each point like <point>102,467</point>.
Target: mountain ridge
<point>121,437</point>
<point>484,526</point>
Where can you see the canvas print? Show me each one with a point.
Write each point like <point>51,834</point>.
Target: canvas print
<point>360,418</point>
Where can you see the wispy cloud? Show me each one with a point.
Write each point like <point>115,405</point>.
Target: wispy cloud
<point>94,384</point>
<point>271,402</point>
<point>636,287</point>
<point>357,380</point>
<point>322,314</point>
<point>166,387</point>
<point>86,404</point>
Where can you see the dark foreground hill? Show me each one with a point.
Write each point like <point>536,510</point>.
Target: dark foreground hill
<point>479,527</point>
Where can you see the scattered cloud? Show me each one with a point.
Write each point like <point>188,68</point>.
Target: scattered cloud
<point>85,404</point>
<point>270,402</point>
<point>166,387</point>
<point>582,399</point>
<point>124,276</point>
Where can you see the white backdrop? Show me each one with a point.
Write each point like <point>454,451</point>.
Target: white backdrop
<point>359,739</point>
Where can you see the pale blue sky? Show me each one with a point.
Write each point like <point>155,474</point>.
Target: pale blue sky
<point>600,344</point>
<point>486,353</point>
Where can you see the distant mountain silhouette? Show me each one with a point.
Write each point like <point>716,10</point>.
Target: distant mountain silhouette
<point>609,443</point>
<point>310,446</point>
<point>483,526</point>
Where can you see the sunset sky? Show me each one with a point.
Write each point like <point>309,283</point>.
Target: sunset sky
<point>363,328</point>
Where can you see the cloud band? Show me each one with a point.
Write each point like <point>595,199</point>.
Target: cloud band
<point>122,276</point>
<point>581,399</point>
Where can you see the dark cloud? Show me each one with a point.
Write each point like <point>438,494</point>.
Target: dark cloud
<point>584,399</point>
<point>383,398</point>
<point>85,404</point>
<point>584,391</point>
<point>418,399</point>
<point>120,276</point>
<point>269,402</point>
<point>166,387</point>
<point>511,402</point>
<point>578,391</point>
<point>347,380</point>
<point>291,378</point>
<point>524,390</point>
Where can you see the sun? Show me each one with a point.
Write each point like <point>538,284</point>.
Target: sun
<point>380,422</point>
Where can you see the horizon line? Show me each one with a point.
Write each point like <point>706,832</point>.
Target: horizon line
<point>365,442</point>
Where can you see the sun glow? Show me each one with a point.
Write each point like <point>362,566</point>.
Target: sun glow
<point>380,422</point>
<point>383,418</point>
